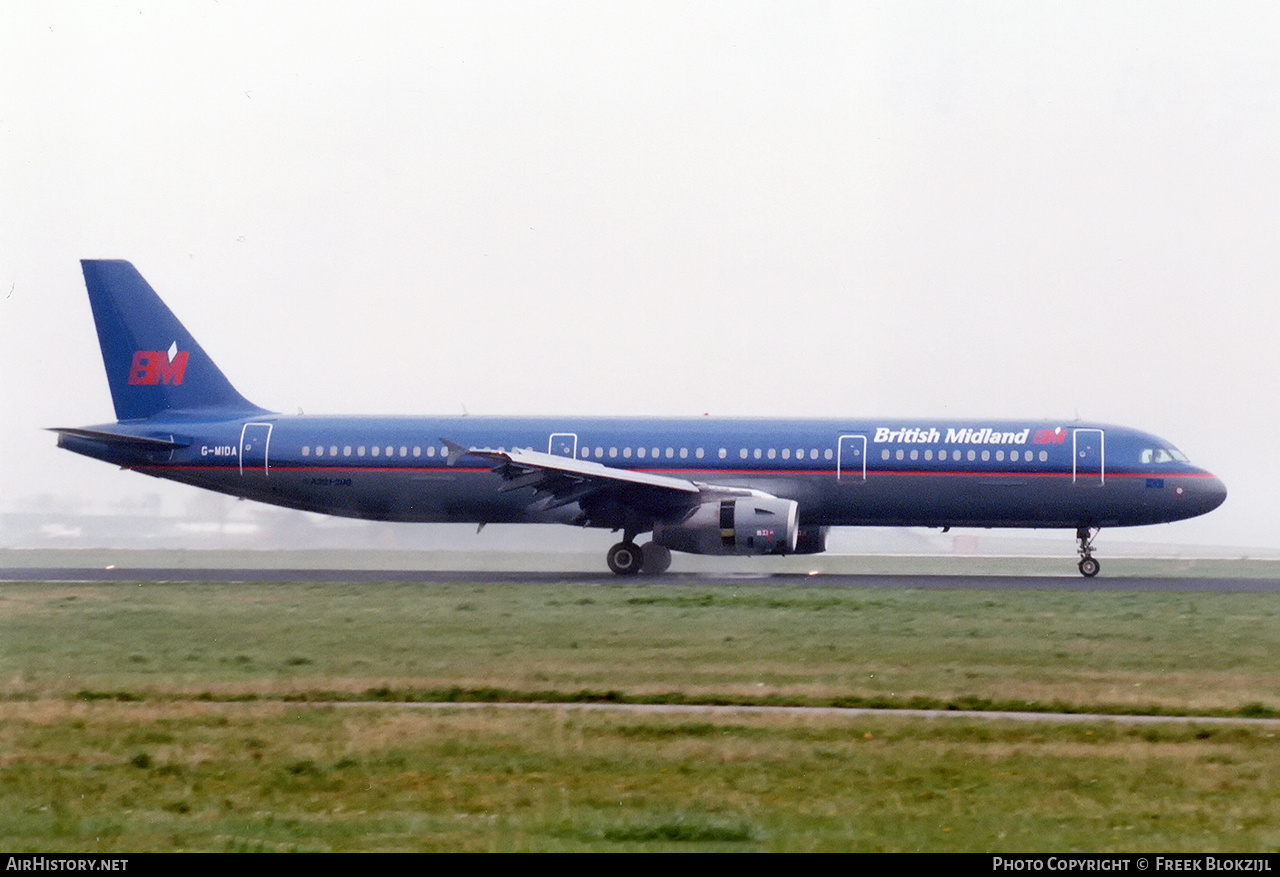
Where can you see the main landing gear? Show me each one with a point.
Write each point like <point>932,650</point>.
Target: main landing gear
<point>628,559</point>
<point>1088,565</point>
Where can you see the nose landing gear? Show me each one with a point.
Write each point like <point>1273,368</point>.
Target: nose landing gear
<point>1089,567</point>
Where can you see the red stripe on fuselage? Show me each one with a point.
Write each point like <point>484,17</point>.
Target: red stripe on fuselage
<point>736,473</point>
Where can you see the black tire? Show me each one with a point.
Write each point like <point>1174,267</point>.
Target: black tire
<point>1089,567</point>
<point>625,559</point>
<point>657,559</point>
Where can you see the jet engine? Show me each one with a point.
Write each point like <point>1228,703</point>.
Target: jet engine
<point>750,525</point>
<point>813,540</point>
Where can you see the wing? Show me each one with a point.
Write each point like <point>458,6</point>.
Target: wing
<point>558,481</point>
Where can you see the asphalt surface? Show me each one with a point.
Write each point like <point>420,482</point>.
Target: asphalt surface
<point>923,582</point>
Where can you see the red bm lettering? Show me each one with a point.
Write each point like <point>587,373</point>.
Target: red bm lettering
<point>1050,436</point>
<point>152,367</point>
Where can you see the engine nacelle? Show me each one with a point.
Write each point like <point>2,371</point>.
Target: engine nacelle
<point>813,540</point>
<point>750,525</point>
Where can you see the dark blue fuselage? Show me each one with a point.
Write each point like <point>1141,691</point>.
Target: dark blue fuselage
<point>840,472</point>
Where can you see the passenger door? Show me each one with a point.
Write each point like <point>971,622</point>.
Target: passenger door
<point>851,459</point>
<point>254,440</point>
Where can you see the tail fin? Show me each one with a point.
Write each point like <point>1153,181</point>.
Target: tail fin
<point>153,363</point>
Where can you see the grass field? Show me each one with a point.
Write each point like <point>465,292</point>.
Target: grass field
<point>156,717</point>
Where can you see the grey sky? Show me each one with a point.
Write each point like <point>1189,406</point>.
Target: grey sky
<point>865,209</point>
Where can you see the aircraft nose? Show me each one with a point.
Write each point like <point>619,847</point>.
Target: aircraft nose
<point>1210,493</point>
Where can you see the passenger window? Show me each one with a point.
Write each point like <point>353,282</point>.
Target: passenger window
<point>306,451</point>
<point>346,452</point>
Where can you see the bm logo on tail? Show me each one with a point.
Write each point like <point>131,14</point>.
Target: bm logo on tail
<point>152,367</point>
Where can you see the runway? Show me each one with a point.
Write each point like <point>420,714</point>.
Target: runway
<point>917,582</point>
<point>720,711</point>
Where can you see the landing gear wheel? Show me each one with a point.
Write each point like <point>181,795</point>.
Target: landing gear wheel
<point>625,559</point>
<point>1088,566</point>
<point>657,558</point>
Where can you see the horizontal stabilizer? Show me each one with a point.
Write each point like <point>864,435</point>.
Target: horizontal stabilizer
<point>142,443</point>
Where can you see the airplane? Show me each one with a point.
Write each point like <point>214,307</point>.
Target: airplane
<point>701,485</point>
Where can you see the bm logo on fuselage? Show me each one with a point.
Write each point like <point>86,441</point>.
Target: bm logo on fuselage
<point>151,367</point>
<point>1050,436</point>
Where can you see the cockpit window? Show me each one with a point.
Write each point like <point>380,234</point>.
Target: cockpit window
<point>1162,455</point>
